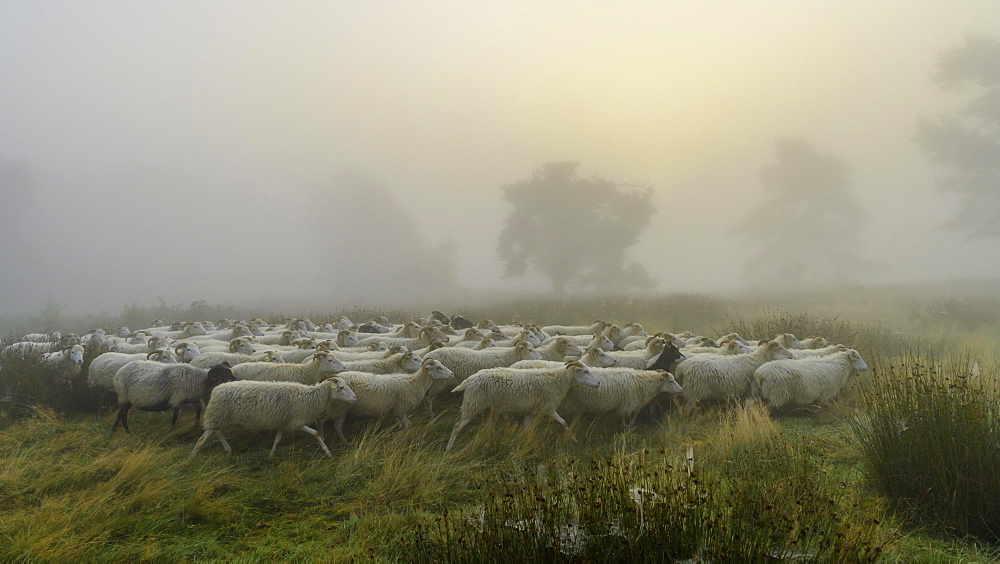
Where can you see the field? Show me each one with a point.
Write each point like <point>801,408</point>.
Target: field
<point>901,469</point>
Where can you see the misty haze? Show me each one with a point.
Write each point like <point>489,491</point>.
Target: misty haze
<point>359,154</point>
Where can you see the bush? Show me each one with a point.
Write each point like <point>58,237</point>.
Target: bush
<point>24,385</point>
<point>930,441</point>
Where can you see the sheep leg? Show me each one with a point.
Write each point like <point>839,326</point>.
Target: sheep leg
<point>454,432</point>
<point>526,424</point>
<point>225,445</point>
<point>173,421</point>
<point>630,421</point>
<point>201,441</point>
<point>406,423</point>
<point>315,433</point>
<point>558,419</point>
<point>122,417</point>
<point>277,439</point>
<point>430,407</point>
<point>689,408</point>
<point>338,426</point>
<point>320,424</point>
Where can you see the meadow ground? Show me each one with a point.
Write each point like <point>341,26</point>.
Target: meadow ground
<point>901,469</point>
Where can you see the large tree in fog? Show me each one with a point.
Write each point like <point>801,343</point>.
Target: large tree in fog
<point>807,228</point>
<point>967,142</point>
<point>574,230</point>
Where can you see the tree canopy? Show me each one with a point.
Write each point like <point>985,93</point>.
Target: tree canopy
<point>574,230</point>
<point>807,229</point>
<point>967,142</point>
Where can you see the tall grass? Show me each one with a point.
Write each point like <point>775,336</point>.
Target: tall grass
<point>762,497</point>
<point>931,444</point>
<point>856,335</point>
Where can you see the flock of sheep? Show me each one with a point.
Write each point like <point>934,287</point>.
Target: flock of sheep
<point>295,376</point>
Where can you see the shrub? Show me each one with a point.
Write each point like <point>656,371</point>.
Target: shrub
<point>930,441</point>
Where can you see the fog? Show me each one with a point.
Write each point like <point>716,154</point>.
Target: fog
<point>332,153</point>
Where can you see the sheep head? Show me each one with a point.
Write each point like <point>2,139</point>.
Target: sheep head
<point>437,370</point>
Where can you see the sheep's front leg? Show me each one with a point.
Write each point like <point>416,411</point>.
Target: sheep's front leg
<point>315,433</point>
<point>558,419</point>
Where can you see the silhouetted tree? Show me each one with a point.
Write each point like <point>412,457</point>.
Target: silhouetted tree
<point>807,229</point>
<point>968,141</point>
<point>574,230</point>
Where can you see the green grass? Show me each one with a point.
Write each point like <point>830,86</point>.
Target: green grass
<point>803,485</point>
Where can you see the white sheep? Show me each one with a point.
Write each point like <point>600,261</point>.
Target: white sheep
<point>636,343</point>
<point>64,364</point>
<point>53,337</point>
<point>102,370</point>
<point>320,366</point>
<point>592,356</point>
<point>816,353</point>
<point>466,362</point>
<point>586,341</point>
<point>186,352</point>
<point>789,341</point>
<point>468,338</point>
<point>241,345</point>
<point>558,349</point>
<point>284,338</point>
<point>373,351</point>
<point>733,337</point>
<point>435,345</point>
<point>154,386</point>
<point>634,330</point>
<point>422,339</point>
<point>271,406</point>
<point>26,350</point>
<point>484,343</point>
<point>228,335</point>
<point>209,359</point>
<point>389,394</point>
<point>592,329</point>
<point>407,362</point>
<point>639,359</point>
<point>720,377</point>
<point>614,333</point>
<point>812,342</point>
<point>806,381</point>
<point>624,391</point>
<point>730,348</point>
<point>528,392</point>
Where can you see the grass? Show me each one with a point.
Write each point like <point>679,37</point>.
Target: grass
<point>805,486</point>
<point>928,431</point>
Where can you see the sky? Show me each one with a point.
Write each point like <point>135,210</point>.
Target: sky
<point>203,150</point>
